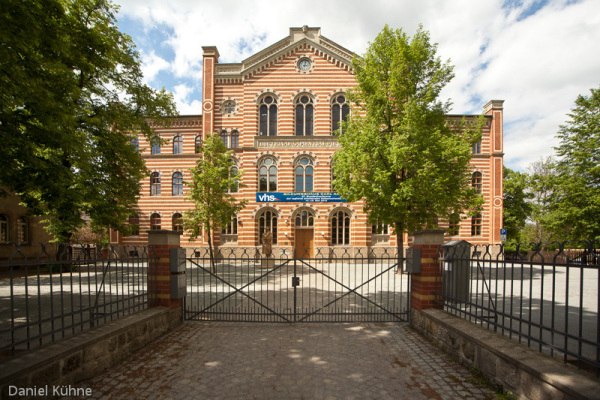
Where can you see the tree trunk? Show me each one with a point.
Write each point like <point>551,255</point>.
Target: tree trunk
<point>400,243</point>
<point>213,266</point>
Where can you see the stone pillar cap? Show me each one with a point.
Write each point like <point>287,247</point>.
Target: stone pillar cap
<point>164,237</point>
<point>428,236</point>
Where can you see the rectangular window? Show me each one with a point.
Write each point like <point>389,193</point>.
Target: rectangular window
<point>379,229</point>
<point>264,118</point>
<point>177,145</point>
<point>454,224</point>
<point>3,229</point>
<point>231,228</point>
<point>273,122</point>
<point>299,120</point>
<point>155,146</point>
<point>476,225</point>
<point>309,120</point>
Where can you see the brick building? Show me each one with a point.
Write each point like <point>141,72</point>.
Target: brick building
<point>17,227</point>
<point>277,110</point>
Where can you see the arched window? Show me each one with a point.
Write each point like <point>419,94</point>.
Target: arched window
<point>305,219</point>
<point>340,110</point>
<point>198,144</point>
<point>267,124</point>
<point>224,138</point>
<point>267,175</point>
<point>134,223</point>
<point>304,175</point>
<point>155,184</point>
<point>234,141</point>
<point>177,144</point>
<point>340,228</point>
<point>155,222</point>
<point>22,230</point>
<point>476,225</point>
<point>304,115</point>
<point>177,184</point>
<point>267,222</point>
<point>476,181</point>
<point>4,229</point>
<point>155,146</point>
<point>177,223</point>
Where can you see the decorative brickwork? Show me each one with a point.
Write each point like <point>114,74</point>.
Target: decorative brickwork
<point>159,273</point>
<point>273,72</point>
<point>428,282</point>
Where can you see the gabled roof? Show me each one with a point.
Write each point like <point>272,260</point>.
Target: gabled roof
<point>305,38</point>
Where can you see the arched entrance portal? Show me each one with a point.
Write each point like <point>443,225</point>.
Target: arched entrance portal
<point>304,234</point>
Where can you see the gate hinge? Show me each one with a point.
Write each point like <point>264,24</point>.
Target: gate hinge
<point>295,281</point>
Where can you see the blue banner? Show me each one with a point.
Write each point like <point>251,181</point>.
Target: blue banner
<point>298,197</point>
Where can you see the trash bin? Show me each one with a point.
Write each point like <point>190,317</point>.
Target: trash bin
<point>457,270</point>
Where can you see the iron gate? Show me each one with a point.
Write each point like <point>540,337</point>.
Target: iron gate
<point>319,289</point>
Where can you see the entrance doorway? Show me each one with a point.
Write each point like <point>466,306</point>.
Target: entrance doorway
<point>304,243</point>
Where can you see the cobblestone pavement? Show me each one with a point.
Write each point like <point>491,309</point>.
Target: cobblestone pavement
<point>216,360</point>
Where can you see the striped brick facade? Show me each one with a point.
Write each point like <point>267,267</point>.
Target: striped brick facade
<point>232,97</point>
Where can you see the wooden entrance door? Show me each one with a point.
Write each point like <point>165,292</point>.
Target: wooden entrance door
<point>304,243</point>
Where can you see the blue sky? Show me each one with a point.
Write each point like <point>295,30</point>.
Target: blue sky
<point>536,55</point>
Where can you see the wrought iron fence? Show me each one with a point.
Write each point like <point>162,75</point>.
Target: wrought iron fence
<point>51,291</point>
<point>332,285</point>
<point>544,298</point>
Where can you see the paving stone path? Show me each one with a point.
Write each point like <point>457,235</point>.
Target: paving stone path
<point>218,360</point>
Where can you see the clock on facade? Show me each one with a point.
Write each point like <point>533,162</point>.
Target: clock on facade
<point>304,64</point>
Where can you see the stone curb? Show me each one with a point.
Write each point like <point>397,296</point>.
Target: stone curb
<point>505,361</point>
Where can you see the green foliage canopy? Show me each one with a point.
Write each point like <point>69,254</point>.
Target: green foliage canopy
<point>541,182</point>
<point>577,203</point>
<point>398,153</point>
<point>72,93</point>
<point>210,191</point>
<point>517,203</point>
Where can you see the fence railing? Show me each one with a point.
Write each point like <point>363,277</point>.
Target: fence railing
<point>51,291</point>
<point>546,299</point>
<point>317,286</point>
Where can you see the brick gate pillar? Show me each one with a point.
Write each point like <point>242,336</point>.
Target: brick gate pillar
<point>160,272</point>
<point>425,284</point>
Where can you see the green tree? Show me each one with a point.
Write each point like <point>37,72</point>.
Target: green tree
<point>210,192</point>
<point>72,93</point>
<point>577,204</point>
<point>398,153</point>
<point>517,205</point>
<point>542,189</point>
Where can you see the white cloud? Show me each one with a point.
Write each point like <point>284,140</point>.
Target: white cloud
<point>152,64</point>
<point>537,63</point>
<point>185,105</point>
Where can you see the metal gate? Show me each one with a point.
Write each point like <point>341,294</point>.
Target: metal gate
<point>319,289</point>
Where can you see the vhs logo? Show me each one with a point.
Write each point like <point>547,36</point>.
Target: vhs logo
<point>265,197</point>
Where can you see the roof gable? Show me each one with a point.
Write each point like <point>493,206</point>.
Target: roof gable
<point>304,38</point>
